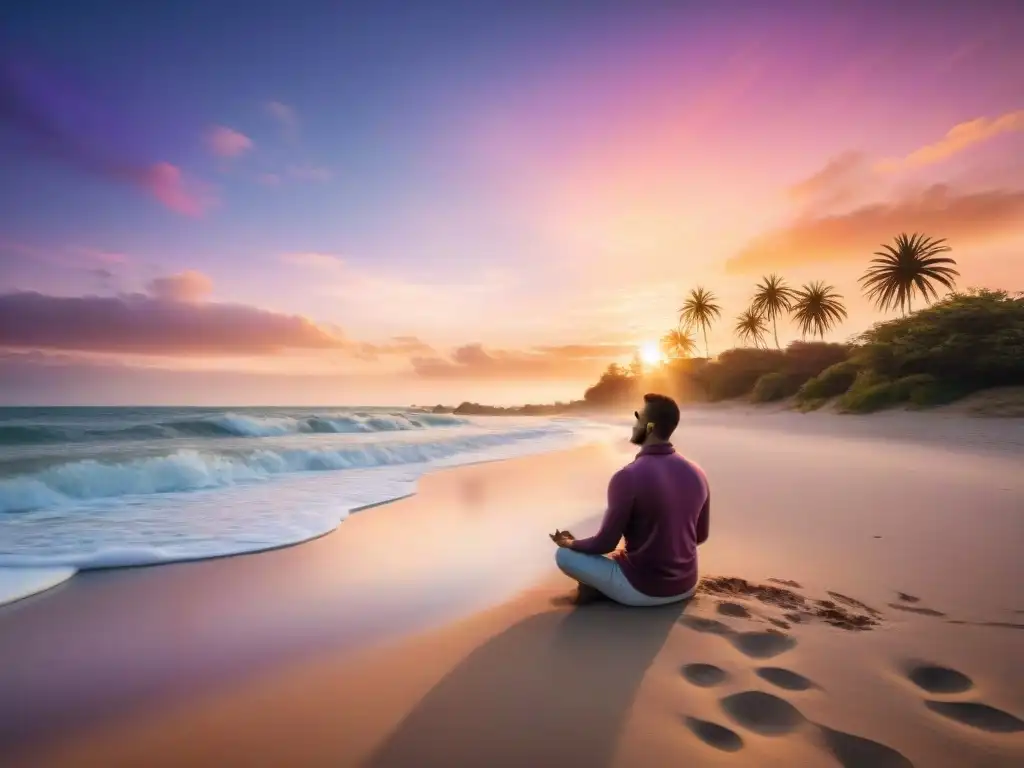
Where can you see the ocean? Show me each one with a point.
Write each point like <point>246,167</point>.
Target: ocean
<point>109,487</point>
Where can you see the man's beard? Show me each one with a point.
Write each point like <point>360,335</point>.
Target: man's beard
<point>638,436</point>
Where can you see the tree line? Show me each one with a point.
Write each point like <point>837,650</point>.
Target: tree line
<point>948,347</point>
<point>911,264</point>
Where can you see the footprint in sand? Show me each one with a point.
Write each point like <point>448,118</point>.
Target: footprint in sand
<point>784,678</point>
<point>757,645</point>
<point>976,715</point>
<point>710,626</point>
<point>935,679</point>
<point>762,645</point>
<point>715,735</point>
<point>771,716</point>
<point>705,675</point>
<point>857,752</point>
<point>941,680</point>
<point>763,713</point>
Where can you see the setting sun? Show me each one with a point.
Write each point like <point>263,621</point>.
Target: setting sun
<point>650,353</point>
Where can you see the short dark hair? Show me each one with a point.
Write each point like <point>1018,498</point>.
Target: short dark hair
<point>663,413</point>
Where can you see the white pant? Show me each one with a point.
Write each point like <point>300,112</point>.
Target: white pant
<point>604,574</point>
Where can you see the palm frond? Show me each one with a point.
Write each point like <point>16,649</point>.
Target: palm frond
<point>700,309</point>
<point>910,264</point>
<point>773,297</point>
<point>678,343</point>
<point>818,309</point>
<point>751,326</point>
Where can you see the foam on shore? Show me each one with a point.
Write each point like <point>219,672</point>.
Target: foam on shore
<point>192,506</point>
<point>19,583</point>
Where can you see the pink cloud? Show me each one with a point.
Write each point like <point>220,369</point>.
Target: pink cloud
<point>189,286</point>
<point>227,142</point>
<point>167,184</point>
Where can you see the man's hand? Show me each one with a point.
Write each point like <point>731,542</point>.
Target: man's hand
<point>562,538</point>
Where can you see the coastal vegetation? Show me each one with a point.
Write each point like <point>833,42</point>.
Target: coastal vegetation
<point>951,346</point>
<point>954,345</point>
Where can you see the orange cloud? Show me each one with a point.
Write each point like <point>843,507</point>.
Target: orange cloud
<point>960,137</point>
<point>970,218</point>
<point>472,361</point>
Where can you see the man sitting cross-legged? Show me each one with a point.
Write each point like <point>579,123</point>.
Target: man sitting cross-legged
<point>661,505</point>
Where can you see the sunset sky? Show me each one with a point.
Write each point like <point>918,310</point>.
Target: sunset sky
<point>380,202</point>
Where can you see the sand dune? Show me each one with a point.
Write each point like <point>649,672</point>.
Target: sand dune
<point>862,608</point>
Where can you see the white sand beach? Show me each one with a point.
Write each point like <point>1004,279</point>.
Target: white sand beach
<point>435,630</point>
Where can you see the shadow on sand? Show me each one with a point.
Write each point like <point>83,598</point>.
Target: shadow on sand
<point>553,689</point>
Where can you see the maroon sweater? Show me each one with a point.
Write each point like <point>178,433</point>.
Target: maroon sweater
<point>660,503</point>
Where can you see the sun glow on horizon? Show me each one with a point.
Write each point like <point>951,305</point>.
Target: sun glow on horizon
<point>650,353</point>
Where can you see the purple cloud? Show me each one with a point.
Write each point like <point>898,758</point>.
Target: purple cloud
<point>158,324</point>
<point>49,122</point>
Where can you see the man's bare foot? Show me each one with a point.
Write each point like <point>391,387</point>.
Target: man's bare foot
<point>586,594</point>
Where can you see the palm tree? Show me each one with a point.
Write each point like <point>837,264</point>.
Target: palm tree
<point>698,311</point>
<point>678,343</point>
<point>817,308</point>
<point>910,264</point>
<point>773,297</point>
<point>752,326</point>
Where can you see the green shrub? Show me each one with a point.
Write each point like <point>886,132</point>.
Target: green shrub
<point>774,386</point>
<point>736,371</point>
<point>903,389</point>
<point>831,382</point>
<point>967,341</point>
<point>868,393</point>
<point>935,393</point>
<point>810,358</point>
<point>871,397</point>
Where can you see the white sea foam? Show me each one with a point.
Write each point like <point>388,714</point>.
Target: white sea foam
<point>19,583</point>
<point>245,425</point>
<point>193,504</point>
<point>191,469</point>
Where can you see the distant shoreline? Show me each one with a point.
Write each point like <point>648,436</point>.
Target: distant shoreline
<point>995,402</point>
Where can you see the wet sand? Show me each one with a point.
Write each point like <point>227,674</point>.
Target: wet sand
<point>867,613</point>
